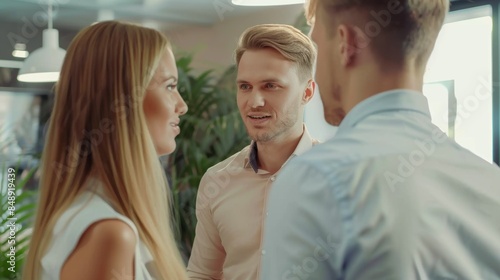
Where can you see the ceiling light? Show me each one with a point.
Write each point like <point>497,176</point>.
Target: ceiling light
<point>20,51</point>
<point>44,64</point>
<point>266,2</point>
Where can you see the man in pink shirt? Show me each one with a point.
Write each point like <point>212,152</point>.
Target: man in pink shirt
<point>275,82</point>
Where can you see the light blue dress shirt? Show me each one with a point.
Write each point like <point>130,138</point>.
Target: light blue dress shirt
<point>390,197</point>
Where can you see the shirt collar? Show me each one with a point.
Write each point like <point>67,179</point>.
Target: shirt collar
<point>305,143</point>
<point>393,100</point>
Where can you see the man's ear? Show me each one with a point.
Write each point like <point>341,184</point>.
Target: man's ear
<point>351,43</point>
<point>308,92</point>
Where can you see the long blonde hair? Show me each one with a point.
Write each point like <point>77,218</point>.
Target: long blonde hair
<point>98,128</point>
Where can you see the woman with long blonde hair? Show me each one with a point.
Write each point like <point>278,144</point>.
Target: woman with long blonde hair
<point>102,210</point>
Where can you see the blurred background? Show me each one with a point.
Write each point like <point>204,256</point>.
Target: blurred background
<point>461,84</point>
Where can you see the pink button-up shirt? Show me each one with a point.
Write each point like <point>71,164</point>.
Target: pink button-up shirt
<point>231,208</point>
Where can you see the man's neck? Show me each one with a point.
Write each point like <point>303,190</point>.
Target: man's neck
<point>373,81</point>
<point>273,154</point>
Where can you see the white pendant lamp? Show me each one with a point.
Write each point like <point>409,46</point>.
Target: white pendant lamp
<point>266,2</point>
<point>44,64</point>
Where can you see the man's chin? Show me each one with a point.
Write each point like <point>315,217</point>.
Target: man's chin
<point>261,137</point>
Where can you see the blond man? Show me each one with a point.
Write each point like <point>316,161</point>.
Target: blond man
<point>390,197</point>
<point>274,79</point>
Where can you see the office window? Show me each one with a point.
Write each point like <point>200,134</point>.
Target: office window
<point>458,80</point>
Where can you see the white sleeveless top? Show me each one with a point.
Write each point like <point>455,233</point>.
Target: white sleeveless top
<point>88,208</point>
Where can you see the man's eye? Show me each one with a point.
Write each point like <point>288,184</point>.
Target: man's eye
<point>244,87</point>
<point>271,86</point>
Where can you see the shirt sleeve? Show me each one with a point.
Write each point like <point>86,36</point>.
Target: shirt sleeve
<point>303,228</point>
<point>208,255</point>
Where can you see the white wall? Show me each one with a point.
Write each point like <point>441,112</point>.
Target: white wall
<point>214,46</point>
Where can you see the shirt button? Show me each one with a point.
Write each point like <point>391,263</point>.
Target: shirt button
<point>273,178</point>
<point>263,252</point>
<point>267,213</point>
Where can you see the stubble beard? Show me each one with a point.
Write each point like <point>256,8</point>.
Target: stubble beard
<point>280,128</point>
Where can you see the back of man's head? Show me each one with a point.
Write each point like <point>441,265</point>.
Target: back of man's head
<point>397,31</point>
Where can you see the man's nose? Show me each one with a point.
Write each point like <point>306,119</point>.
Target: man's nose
<point>256,100</point>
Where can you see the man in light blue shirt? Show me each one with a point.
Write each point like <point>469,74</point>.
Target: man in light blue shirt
<point>390,196</point>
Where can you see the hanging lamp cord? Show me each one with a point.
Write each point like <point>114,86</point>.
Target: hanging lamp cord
<point>49,14</point>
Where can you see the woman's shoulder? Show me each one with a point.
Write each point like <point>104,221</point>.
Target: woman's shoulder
<point>89,211</point>
<point>107,246</point>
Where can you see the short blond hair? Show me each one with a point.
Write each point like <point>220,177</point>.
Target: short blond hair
<point>289,41</point>
<point>410,32</point>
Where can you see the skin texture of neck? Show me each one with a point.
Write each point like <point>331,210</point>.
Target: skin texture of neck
<point>274,153</point>
<point>371,79</point>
